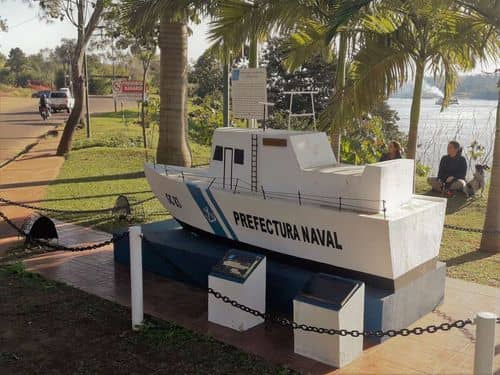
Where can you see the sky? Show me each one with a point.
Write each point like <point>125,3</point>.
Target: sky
<point>26,30</point>
<point>31,34</point>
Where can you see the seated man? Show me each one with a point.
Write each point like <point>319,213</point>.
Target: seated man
<point>452,170</point>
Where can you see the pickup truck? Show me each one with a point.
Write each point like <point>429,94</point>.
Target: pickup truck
<point>61,100</point>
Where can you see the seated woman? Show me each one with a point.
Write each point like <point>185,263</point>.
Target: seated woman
<point>394,151</point>
<point>452,170</point>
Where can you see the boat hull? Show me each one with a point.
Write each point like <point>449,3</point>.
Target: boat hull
<point>383,247</point>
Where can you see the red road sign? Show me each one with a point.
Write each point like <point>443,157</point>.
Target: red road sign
<point>127,90</point>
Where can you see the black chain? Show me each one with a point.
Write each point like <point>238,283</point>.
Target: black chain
<point>285,322</point>
<point>19,204</point>
<point>472,230</point>
<point>94,246</point>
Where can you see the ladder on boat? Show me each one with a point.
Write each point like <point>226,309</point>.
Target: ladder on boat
<point>253,172</point>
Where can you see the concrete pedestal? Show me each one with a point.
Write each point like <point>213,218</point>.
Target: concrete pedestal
<point>184,256</point>
<point>330,302</point>
<point>241,276</point>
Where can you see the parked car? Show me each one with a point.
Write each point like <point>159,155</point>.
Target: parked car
<point>40,93</point>
<point>66,90</point>
<point>61,100</point>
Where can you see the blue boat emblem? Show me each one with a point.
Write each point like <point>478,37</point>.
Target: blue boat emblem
<point>209,215</point>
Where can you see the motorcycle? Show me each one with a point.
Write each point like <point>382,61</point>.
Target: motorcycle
<point>44,112</point>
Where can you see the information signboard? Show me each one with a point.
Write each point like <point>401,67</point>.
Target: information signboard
<point>249,93</point>
<point>127,90</point>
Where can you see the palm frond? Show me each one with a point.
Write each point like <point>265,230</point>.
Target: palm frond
<point>307,42</point>
<point>377,71</point>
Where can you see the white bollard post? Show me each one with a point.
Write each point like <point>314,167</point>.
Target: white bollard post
<point>136,276</point>
<point>485,343</point>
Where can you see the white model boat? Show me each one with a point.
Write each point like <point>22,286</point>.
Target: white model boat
<point>284,192</point>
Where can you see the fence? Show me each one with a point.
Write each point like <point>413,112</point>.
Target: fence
<point>485,322</point>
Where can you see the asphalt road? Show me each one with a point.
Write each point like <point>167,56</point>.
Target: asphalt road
<point>21,124</point>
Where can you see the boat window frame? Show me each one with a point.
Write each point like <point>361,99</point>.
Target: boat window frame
<point>218,153</point>
<point>239,156</point>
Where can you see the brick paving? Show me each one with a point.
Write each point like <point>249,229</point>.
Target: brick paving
<point>449,352</point>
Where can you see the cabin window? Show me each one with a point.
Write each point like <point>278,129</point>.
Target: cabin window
<point>218,153</point>
<point>239,156</point>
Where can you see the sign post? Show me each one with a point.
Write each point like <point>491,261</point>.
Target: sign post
<point>127,90</point>
<point>248,92</point>
<point>131,91</point>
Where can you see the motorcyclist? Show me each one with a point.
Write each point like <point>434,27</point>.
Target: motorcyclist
<point>43,104</point>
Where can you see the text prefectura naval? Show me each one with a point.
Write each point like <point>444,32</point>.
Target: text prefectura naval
<point>322,237</point>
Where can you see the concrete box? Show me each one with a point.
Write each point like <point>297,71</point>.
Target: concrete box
<point>330,302</point>
<point>241,276</point>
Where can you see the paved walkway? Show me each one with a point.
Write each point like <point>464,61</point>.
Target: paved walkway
<point>25,180</point>
<point>443,352</point>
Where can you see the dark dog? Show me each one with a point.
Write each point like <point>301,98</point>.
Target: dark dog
<point>478,181</point>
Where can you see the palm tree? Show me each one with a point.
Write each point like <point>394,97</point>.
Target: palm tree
<point>172,142</point>
<point>490,240</point>
<point>405,40</point>
<point>239,21</point>
<point>173,15</point>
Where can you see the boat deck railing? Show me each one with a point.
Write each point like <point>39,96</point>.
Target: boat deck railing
<point>238,186</point>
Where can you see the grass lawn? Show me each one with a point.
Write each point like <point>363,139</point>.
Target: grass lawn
<point>111,163</point>
<point>107,165</point>
<point>51,328</point>
<point>6,90</point>
<point>459,249</point>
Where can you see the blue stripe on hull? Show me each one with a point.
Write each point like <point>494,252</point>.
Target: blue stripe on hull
<point>221,214</point>
<point>206,210</point>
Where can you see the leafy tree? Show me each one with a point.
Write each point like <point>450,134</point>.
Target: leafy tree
<point>317,74</point>
<point>311,28</point>
<point>424,35</point>
<point>204,117</point>
<point>85,15</point>
<point>207,74</point>
<point>390,120</point>
<point>16,62</point>
<point>63,55</point>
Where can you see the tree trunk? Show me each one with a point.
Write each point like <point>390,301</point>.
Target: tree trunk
<point>173,147</point>
<point>253,58</point>
<point>339,90</point>
<point>490,240</point>
<point>415,111</point>
<point>145,67</point>
<point>79,94</point>
<point>84,34</point>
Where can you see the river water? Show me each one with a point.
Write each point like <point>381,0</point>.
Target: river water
<point>471,120</point>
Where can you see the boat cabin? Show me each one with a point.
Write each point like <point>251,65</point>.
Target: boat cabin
<point>302,163</point>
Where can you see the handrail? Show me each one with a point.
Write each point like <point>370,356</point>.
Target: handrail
<point>300,197</point>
